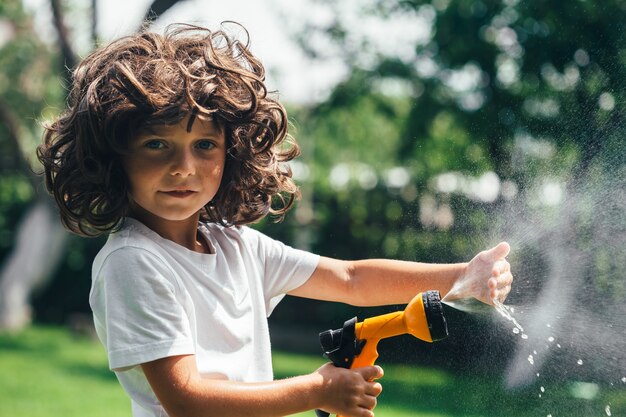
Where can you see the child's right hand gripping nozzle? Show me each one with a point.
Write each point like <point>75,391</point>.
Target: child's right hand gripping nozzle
<point>354,345</point>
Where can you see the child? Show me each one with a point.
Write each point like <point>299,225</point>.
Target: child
<point>172,145</point>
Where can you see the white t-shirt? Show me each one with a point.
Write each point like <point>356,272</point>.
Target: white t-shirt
<point>152,298</point>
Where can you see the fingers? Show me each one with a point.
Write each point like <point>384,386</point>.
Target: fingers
<point>500,267</point>
<point>372,389</point>
<point>501,278</point>
<point>351,392</point>
<point>500,251</point>
<point>370,373</point>
<point>368,401</point>
<point>500,287</point>
<point>501,274</point>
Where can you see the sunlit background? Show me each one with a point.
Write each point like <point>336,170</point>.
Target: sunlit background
<point>429,130</point>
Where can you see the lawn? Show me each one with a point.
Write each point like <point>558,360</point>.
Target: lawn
<point>45,371</point>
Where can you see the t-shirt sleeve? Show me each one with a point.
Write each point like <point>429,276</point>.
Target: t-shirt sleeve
<point>137,311</point>
<point>284,268</point>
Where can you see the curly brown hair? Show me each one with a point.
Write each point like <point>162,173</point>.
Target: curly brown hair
<point>151,79</point>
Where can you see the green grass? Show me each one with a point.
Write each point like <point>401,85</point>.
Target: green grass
<point>410,391</point>
<point>45,371</point>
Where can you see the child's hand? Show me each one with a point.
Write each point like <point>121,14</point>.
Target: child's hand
<point>487,276</point>
<point>350,392</point>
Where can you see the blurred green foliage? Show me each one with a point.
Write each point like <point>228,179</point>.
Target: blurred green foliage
<point>528,92</point>
<point>521,89</point>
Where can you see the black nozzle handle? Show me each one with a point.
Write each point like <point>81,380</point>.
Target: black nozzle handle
<point>340,346</point>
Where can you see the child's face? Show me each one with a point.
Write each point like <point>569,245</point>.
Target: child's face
<point>174,173</point>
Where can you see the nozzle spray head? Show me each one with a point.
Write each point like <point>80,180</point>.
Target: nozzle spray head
<point>435,319</point>
<point>422,318</point>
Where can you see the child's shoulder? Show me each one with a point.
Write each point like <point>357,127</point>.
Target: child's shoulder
<point>131,237</point>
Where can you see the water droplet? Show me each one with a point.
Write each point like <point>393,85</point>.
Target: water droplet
<point>624,379</point>
<point>607,410</point>
<point>531,359</point>
<point>515,330</point>
<point>549,415</point>
<point>550,339</point>
<point>579,361</point>
<point>539,395</point>
<point>548,325</point>
<point>534,352</point>
<point>506,312</point>
<point>524,336</point>
<point>542,389</point>
<point>558,345</point>
<point>537,373</point>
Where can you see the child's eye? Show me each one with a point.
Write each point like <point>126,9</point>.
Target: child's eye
<point>205,145</point>
<point>155,144</point>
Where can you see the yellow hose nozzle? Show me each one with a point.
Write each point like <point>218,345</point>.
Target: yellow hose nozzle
<point>354,345</point>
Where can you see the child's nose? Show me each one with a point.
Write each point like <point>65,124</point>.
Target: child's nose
<point>183,164</point>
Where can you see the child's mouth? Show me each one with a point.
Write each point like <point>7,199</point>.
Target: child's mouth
<point>180,193</point>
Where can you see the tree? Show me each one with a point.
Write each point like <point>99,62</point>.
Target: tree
<point>38,238</point>
<point>531,90</point>
<point>30,80</point>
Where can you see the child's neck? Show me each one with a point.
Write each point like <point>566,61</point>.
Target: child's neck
<point>183,232</point>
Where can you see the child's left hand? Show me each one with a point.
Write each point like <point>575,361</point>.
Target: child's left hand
<point>487,276</point>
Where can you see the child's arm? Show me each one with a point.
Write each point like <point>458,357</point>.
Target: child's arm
<point>184,392</point>
<point>379,282</point>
